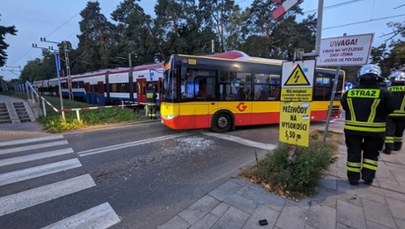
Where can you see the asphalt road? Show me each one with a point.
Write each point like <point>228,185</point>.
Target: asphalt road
<point>145,172</point>
<point>164,171</point>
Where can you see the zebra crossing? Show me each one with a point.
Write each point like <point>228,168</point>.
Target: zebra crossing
<point>24,161</point>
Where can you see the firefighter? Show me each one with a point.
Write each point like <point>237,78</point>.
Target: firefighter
<point>366,107</point>
<point>396,120</point>
<point>151,99</point>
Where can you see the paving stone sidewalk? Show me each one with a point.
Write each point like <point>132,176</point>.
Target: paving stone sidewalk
<point>241,204</point>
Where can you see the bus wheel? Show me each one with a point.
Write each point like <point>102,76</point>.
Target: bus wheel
<point>221,122</point>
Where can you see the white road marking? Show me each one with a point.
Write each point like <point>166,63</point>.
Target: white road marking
<point>31,147</point>
<point>129,144</point>
<point>30,140</point>
<point>37,156</point>
<point>241,141</point>
<point>101,216</point>
<point>32,197</point>
<point>38,171</point>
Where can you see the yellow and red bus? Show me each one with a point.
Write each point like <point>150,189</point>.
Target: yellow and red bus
<point>223,92</point>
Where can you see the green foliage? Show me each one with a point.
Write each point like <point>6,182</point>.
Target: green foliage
<point>4,30</point>
<point>298,179</point>
<point>189,27</point>
<point>55,124</point>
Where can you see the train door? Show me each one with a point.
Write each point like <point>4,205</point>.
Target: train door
<point>100,85</point>
<point>141,90</point>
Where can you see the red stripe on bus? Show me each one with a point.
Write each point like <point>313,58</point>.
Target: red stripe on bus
<point>204,121</point>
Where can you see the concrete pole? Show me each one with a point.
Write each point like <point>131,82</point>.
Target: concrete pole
<point>319,27</point>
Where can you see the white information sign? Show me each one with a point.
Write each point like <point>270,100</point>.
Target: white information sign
<point>345,51</point>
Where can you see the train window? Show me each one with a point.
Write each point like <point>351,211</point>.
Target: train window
<point>78,84</point>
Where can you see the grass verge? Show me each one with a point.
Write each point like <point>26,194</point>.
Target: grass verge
<point>55,124</point>
<point>300,179</point>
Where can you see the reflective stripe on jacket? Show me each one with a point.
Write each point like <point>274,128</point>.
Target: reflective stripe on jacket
<point>398,90</point>
<point>366,110</point>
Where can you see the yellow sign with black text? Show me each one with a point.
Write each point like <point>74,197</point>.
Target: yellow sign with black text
<point>296,94</point>
<point>294,124</point>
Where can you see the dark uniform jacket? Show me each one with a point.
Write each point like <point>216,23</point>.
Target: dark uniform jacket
<point>398,90</point>
<point>366,109</point>
<point>151,97</point>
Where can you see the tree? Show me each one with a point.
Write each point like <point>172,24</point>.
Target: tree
<point>391,56</point>
<point>4,30</point>
<point>94,40</point>
<point>237,29</point>
<point>132,35</point>
<point>180,29</point>
<point>278,38</point>
<point>40,69</point>
<point>216,14</point>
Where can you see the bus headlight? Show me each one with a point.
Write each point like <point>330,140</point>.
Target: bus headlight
<point>169,117</point>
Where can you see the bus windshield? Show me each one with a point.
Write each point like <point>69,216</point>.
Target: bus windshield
<point>169,92</point>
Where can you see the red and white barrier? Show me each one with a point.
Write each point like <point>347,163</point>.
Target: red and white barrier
<point>283,8</point>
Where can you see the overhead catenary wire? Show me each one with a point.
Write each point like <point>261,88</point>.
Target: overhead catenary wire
<point>362,22</point>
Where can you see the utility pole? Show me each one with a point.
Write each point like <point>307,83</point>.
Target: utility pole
<point>57,63</point>
<point>67,65</point>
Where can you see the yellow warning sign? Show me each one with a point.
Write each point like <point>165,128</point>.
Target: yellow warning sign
<point>294,124</point>
<point>297,78</point>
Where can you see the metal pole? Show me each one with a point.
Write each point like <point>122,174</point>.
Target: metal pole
<point>67,66</point>
<point>332,98</point>
<point>57,62</point>
<point>130,59</point>
<point>43,106</point>
<point>319,27</point>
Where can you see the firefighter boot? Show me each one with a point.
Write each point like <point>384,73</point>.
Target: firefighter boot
<point>367,176</point>
<point>397,146</point>
<point>387,151</point>
<point>354,177</point>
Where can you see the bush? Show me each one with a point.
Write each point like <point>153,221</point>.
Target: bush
<point>57,124</point>
<point>301,178</point>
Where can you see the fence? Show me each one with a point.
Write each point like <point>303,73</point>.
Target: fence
<point>33,94</point>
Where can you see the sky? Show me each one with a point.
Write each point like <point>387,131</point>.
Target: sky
<point>59,20</point>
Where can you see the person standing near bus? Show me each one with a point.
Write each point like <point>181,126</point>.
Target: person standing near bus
<point>396,120</point>
<point>151,99</point>
<point>367,107</point>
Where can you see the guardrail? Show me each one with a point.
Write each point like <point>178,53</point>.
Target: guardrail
<point>77,110</point>
<point>33,94</point>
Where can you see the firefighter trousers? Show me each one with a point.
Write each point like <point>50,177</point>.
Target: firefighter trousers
<point>152,110</point>
<point>362,157</point>
<point>394,134</point>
